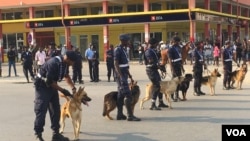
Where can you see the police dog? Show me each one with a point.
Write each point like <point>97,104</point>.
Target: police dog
<point>184,86</point>
<point>167,88</point>
<point>238,76</point>
<point>72,109</point>
<point>110,99</point>
<point>211,80</point>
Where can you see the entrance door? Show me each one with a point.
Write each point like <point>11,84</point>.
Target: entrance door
<point>83,44</point>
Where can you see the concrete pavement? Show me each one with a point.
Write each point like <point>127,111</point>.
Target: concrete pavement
<point>198,119</point>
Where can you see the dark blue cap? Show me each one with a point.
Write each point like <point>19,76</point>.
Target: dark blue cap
<point>177,39</point>
<point>124,37</point>
<point>71,55</point>
<point>153,41</point>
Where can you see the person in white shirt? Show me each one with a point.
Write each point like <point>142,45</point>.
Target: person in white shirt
<point>63,49</point>
<point>40,58</point>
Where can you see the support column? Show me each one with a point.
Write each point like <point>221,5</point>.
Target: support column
<point>219,27</point>
<point>207,24</point>
<point>105,30</point>
<point>1,38</point>
<point>67,30</point>
<point>192,24</point>
<point>146,25</point>
<point>247,25</point>
<point>238,26</point>
<point>32,31</point>
<point>229,26</point>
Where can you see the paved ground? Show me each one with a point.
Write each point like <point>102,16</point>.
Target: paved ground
<point>198,119</point>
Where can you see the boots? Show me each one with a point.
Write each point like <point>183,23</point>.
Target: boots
<point>199,91</point>
<point>59,137</point>
<point>39,137</point>
<point>131,116</point>
<point>0,72</point>
<point>108,78</point>
<point>153,107</point>
<point>196,92</point>
<point>120,115</point>
<point>162,105</point>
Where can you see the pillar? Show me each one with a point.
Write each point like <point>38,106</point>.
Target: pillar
<point>238,26</point>
<point>67,30</point>
<point>32,31</point>
<point>229,26</point>
<point>247,24</point>
<point>219,27</point>
<point>207,24</point>
<point>1,38</point>
<point>105,30</point>
<point>192,24</point>
<point>146,25</point>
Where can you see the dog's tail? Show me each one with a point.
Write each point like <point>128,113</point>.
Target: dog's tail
<point>62,95</point>
<point>104,113</point>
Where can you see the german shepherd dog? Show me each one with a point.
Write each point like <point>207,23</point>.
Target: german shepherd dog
<point>110,99</point>
<point>238,76</point>
<point>167,88</point>
<point>184,86</point>
<point>72,109</point>
<point>211,80</point>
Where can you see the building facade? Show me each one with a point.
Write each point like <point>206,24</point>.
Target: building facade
<point>81,22</point>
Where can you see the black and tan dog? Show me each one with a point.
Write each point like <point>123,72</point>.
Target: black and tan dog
<point>167,88</point>
<point>238,76</point>
<point>72,109</point>
<point>110,100</point>
<point>184,86</point>
<point>211,80</point>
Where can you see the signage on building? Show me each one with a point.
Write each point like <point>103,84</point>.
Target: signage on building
<point>215,18</point>
<point>112,20</point>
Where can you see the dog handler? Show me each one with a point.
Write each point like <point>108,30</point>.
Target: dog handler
<point>198,68</point>
<point>46,93</point>
<point>152,66</point>
<point>122,74</point>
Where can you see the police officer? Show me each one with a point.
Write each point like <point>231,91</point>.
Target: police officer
<point>227,59</point>
<point>122,74</point>
<point>110,61</point>
<point>46,93</point>
<point>26,58</point>
<point>152,66</point>
<point>77,68</point>
<point>95,64</point>
<point>198,65</point>
<point>175,61</point>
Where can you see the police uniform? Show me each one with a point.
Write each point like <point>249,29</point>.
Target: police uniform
<point>77,68</point>
<point>175,59</point>
<point>110,62</point>
<point>227,66</point>
<point>95,65</point>
<point>198,69</point>
<point>153,74</point>
<point>26,57</point>
<point>122,75</point>
<point>46,97</point>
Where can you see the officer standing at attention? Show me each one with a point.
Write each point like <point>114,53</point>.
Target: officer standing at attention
<point>110,61</point>
<point>198,67</point>
<point>227,60</point>
<point>152,66</point>
<point>122,74</point>
<point>26,58</point>
<point>77,68</point>
<point>46,93</point>
<point>175,61</point>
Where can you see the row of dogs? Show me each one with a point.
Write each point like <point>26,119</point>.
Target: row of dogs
<point>72,107</point>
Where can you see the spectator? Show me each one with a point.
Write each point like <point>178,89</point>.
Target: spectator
<point>11,55</point>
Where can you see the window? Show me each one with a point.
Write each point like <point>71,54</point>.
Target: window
<point>135,8</point>
<point>39,14</point>
<point>171,6</point>
<point>3,16</point>
<point>48,13</point>
<point>96,10</point>
<point>114,9</point>
<point>78,11</point>
<point>155,6</point>
<point>44,13</point>
<point>18,15</point>
<point>9,16</point>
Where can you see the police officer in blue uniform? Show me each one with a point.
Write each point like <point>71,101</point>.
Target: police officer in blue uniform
<point>46,93</point>
<point>198,67</point>
<point>122,74</point>
<point>227,60</point>
<point>175,61</point>
<point>77,68</point>
<point>110,61</point>
<point>152,66</point>
<point>26,58</point>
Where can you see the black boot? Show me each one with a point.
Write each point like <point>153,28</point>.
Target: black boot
<point>131,116</point>
<point>196,92</point>
<point>59,137</point>
<point>162,105</point>
<point>108,78</point>
<point>120,115</point>
<point>39,137</point>
<point>153,107</point>
<point>199,91</point>
<point>0,72</point>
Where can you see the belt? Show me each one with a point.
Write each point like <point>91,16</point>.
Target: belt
<point>176,60</point>
<point>227,60</point>
<point>40,76</point>
<point>123,65</point>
